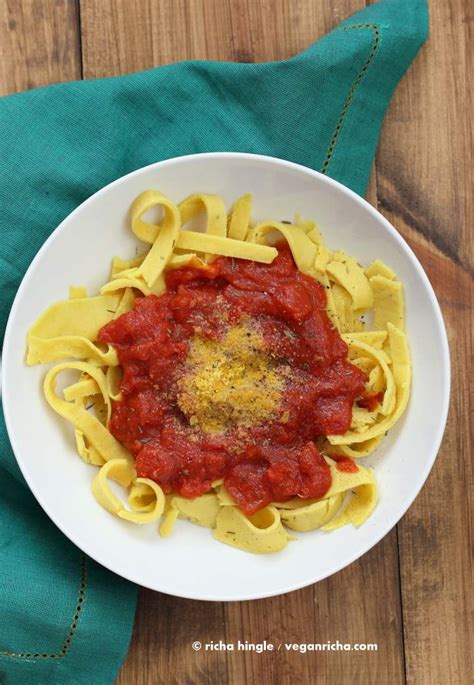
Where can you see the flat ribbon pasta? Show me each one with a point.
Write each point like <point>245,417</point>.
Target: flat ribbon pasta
<point>170,516</point>
<point>307,515</point>
<point>347,272</point>
<point>203,510</point>
<point>239,220</point>
<point>311,516</point>
<point>96,433</point>
<point>321,276</point>
<point>81,317</point>
<point>226,247</point>
<point>355,451</point>
<point>304,251</point>
<point>69,328</point>
<point>374,339</point>
<point>84,387</point>
<point>401,369</point>
<point>389,306</point>
<point>260,533</point>
<point>360,507</point>
<point>214,207</point>
<point>123,472</point>
<point>113,377</point>
<point>310,228</point>
<point>129,281</point>
<point>379,268</point>
<point>379,358</point>
<point>165,237</point>
<point>348,320</point>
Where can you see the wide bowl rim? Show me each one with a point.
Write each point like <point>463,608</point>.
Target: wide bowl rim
<point>445,371</point>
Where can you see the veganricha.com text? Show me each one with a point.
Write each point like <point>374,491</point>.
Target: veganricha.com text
<point>302,647</point>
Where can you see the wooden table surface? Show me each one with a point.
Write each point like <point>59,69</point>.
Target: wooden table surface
<point>411,594</point>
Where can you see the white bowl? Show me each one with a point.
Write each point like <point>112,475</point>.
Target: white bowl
<point>191,563</point>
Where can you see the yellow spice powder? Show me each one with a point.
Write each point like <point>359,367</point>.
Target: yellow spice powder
<point>228,382</point>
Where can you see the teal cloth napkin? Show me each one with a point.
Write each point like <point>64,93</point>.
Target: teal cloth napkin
<point>63,618</point>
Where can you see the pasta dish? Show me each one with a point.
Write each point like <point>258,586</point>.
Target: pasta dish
<point>234,377</point>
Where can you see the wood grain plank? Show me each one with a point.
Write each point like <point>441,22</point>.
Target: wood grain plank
<point>424,186</point>
<point>427,136</point>
<point>161,652</point>
<point>359,604</point>
<point>119,37</point>
<point>39,43</point>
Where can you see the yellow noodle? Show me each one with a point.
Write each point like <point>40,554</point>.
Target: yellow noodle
<point>311,516</point>
<point>239,223</point>
<point>379,268</point>
<point>212,205</point>
<point>169,519</point>
<point>261,533</point>
<point>378,357</point>
<point>303,249</point>
<point>388,302</point>
<point>346,271</point>
<point>226,247</point>
<point>122,471</point>
<point>83,388</point>
<point>202,510</point>
<point>355,451</point>
<point>401,368</point>
<point>97,434</point>
<point>358,510</point>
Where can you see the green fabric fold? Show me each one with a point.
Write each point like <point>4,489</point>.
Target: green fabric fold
<point>64,618</point>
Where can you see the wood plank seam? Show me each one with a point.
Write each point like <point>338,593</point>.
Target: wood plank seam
<point>400,594</point>
<point>79,38</point>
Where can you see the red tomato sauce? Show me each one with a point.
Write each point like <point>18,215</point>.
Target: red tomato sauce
<point>371,401</point>
<point>270,462</point>
<point>344,464</point>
